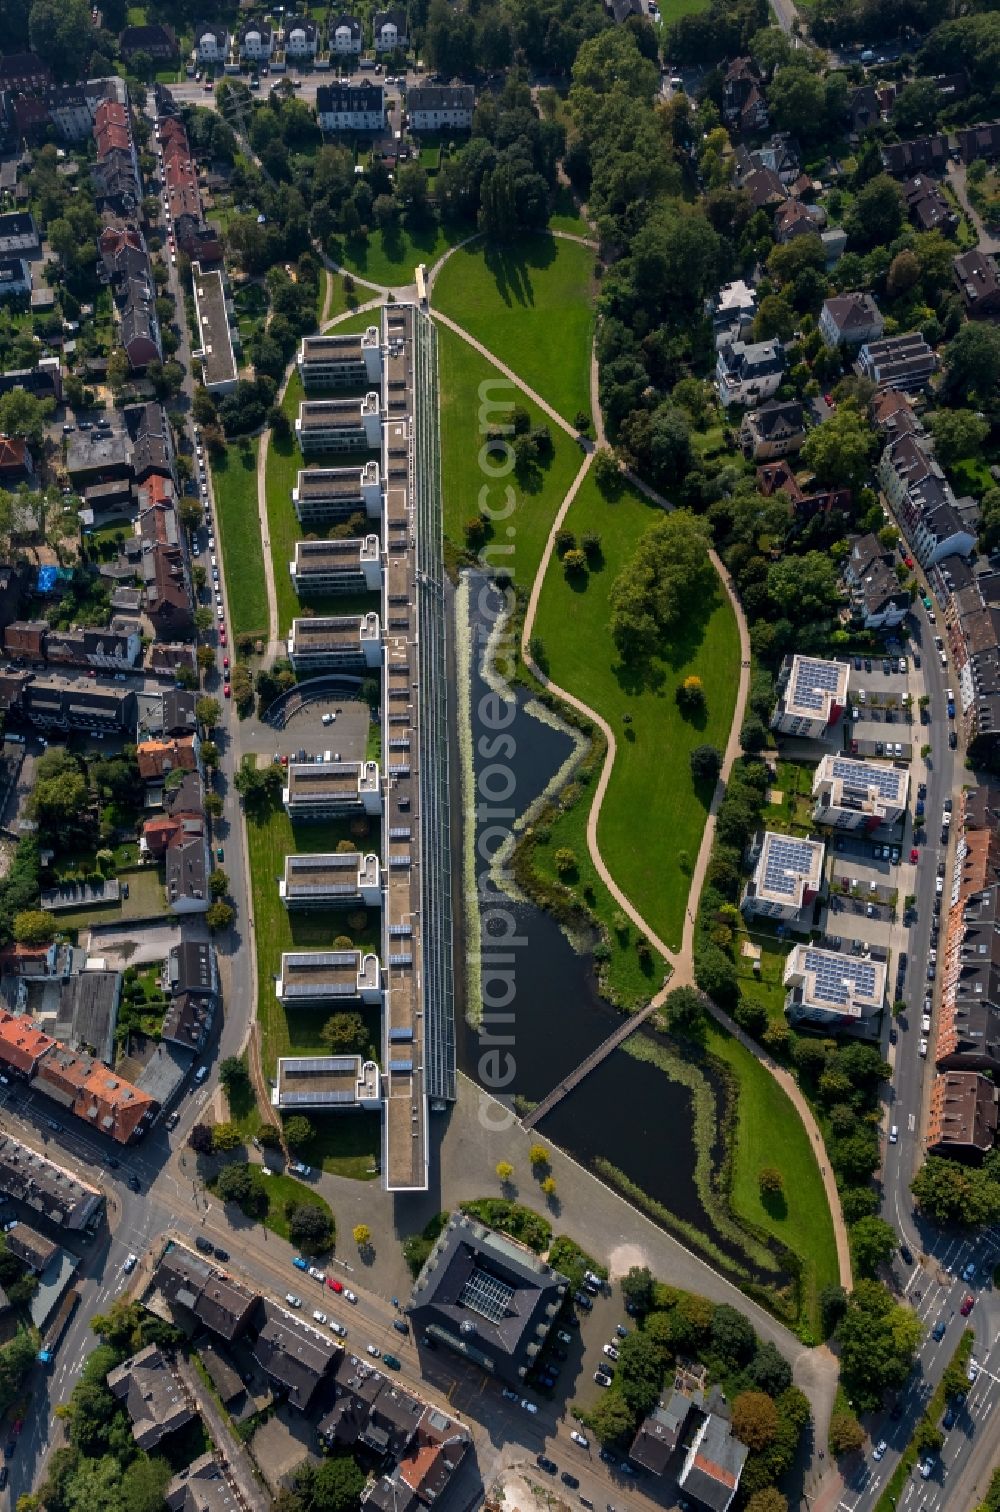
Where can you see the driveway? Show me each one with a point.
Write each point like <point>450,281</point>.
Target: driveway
<point>956,178</point>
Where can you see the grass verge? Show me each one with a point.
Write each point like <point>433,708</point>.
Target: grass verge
<point>651,781</point>
<point>464,377</point>
<point>234,481</point>
<point>530,303</point>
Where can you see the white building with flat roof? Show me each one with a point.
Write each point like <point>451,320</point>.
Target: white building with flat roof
<point>330,1083</point>
<point>341,361</point>
<point>329,978</point>
<point>339,643</point>
<point>218,360</point>
<point>334,879</point>
<point>353,565</point>
<point>328,788</point>
<point>858,794</point>
<point>325,425</point>
<point>812,695</point>
<point>831,989</point>
<point>787,878</point>
<point>325,495</point>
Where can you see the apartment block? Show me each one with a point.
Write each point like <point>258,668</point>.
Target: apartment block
<point>332,1083</point>
<point>898,362</point>
<point>812,695</point>
<point>962,1121</point>
<point>326,789</point>
<point>338,978</point>
<point>853,794</point>
<point>326,425</point>
<point>327,495</point>
<point>341,361</point>
<point>218,360</point>
<point>347,644</point>
<point>787,878</point>
<point>351,566</point>
<point>331,880</point>
<point>832,989</point>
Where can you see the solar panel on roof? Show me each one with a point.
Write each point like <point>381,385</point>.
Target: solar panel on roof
<point>786,862</point>
<point>840,977</point>
<point>487,1295</point>
<point>815,681</point>
<point>861,776</point>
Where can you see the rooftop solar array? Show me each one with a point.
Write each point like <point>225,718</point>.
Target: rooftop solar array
<point>815,682</point>
<point>330,1065</point>
<point>865,775</point>
<point>786,863</point>
<point>487,1295</point>
<point>839,978</point>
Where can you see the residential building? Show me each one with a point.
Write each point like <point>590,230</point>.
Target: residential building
<point>112,648</point>
<point>211,44</point>
<point>255,42</point>
<point>787,879</point>
<point>899,362</point>
<point>832,989</point>
<point>389,31</point>
<point>337,566</point>
<point>812,696</point>
<point>794,218</point>
<point>764,189</point>
<point>152,449</point>
<point>853,794</point>
<point>350,107</point>
<point>941,531</point>
<point>850,320</point>
<point>441,107</point>
<point>864,109</point>
<point>978,283</point>
<point>329,788</point>
<point>660,1433</point>
<point>929,209</point>
<point>53,702</point>
<point>327,495</point>
<point>23,71</point>
<point>202,1486</point>
<point>732,311</point>
<point>879,601</point>
<point>894,414</point>
<point>779,155</point>
<point>158,758</point>
<point>158,40</point>
<point>328,977</point>
<point>773,430</point>
<point>52,1191</point>
<point>215,335</point>
<point>747,373</point>
<point>323,644</point>
<point>295,1356</point>
<point>15,278</point>
<point>192,967</point>
<point>300,36</point>
<point>486,1298</point>
<point>77,1081</point>
<point>743,105</point>
<point>928,154</point>
<point>962,1121</point>
<point>907,462</point>
<point>341,361</point>
<point>345,38</point>
<point>152,1395</point>
<point>326,425</point>
<point>980,142</point>
<point>335,879</point>
<point>713,1465</point>
<point>217,1300</point>
<point>35,1250</point>
<point>188,864</point>
<point>19,235</point>
<point>44,380</point>
<point>329,1083</point>
<point>16,462</point>
<point>805,499</point>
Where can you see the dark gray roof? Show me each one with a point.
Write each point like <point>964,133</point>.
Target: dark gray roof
<point>32,1247</point>
<point>191,967</point>
<point>441,97</point>
<point>777,418</point>
<point>48,1188</point>
<point>294,1355</point>
<point>352,98</point>
<point>187,869</point>
<point>220,1303</point>
<point>714,1465</point>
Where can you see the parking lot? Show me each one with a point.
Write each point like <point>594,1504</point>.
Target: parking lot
<point>346,735</point>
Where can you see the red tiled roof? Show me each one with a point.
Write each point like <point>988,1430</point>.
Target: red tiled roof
<point>21,1044</point>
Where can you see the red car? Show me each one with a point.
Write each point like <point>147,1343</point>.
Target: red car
<point>225,663</point>
<point>967,1306</point>
<point>226,690</point>
<point>914,855</point>
<point>222,636</point>
<point>908,561</point>
<point>334,1284</point>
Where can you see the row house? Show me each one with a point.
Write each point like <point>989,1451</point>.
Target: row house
<point>116,647</point>
<point>24,70</point>
<point>300,39</point>
<point>980,142</point>
<point>119,185</point>
<point>963,1113</point>
<point>934,523</point>
<point>390,32</point>
<point>345,37</point>
<point>68,110</point>
<point>969,1023</point>
<point>211,44</point>
<point>928,154</point>
<point>254,43</point>
<point>182,194</point>
<point>878,600</point>
<point>124,266</point>
<point>80,1083</point>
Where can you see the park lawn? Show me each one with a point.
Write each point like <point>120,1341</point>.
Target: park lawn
<point>281,1189</point>
<point>234,480</point>
<point>673,10</point>
<point>565,213</point>
<point>770,1133</point>
<point>271,836</point>
<point>462,373</point>
<point>344,1144</point>
<point>531,305</point>
<point>391,258</point>
<point>652,818</point>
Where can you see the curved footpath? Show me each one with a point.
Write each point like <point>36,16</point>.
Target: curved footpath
<point>682,962</point>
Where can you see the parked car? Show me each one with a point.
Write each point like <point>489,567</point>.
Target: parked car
<point>880,1449</point>
<point>401,1325</point>
<point>131,1261</point>
<point>320,1317</point>
<point>373,1350</point>
<point>569,1480</point>
<point>602,1378</point>
<point>938,1332</point>
<point>969,1272</point>
<point>334,1284</point>
<point>293,1300</point>
<point>300,1264</point>
<point>338,1328</point>
<point>581,1439</point>
<point>549,1466</point>
<point>531,1407</point>
<point>966,1308</point>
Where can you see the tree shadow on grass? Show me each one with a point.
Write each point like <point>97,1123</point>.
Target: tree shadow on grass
<point>775,1205</point>
<point>512,264</point>
<point>672,655</point>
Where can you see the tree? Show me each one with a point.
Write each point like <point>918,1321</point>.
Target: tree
<point>641,1366</point>
<point>755,1419</point>
<point>846,1435</point>
<point>832,1307</point>
<point>684,1012</point>
<point>538,1155</point>
<point>57,30</point>
<point>690,696</point>
<point>268,1135</point>
<point>873,1243</point>
<point>219,916</point>
<point>804,587</point>
<point>611,1419</point>
<point>732,1336</point>
<point>972,360</point>
<point>118,370</point>
<point>200,1139</point>
<point>345,1034</point>
<point>213,805</point>
<point>504,1171</point>
<point>362,1235</point>
<point>716,976</point>
<point>32,926</point>
<point>706,764</point>
<point>878,1340</point>
<point>770,1181</point>
<point>840,451</point>
<point>606,471</point>
<point>565,861</point>
<point>548,1186</point>
<point>207,712</point>
<point>957,433</point>
<point>928,1438</point>
<point>953,1193</point>
<point>233,1074</point>
<point>637,1288</point>
<point>209,753</point>
<point>311,1227</point>
<point>225,1136</point>
<point>24,415</point>
<point>298,1131</point>
<point>242,1184</point>
<point>769,1370</point>
<point>668,574</point>
<point>753,734</point>
<point>218,882</point>
<point>769,1499</point>
<point>878,214</point>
